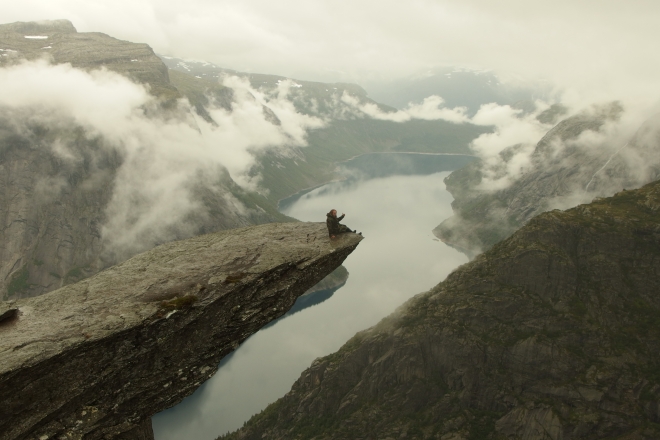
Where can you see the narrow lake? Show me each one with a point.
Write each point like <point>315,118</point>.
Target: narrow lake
<point>395,200</point>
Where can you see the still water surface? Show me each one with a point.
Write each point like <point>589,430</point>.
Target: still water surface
<point>396,210</point>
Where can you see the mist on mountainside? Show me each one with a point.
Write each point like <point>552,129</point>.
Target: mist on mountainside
<point>459,87</point>
<point>593,153</point>
<point>165,156</point>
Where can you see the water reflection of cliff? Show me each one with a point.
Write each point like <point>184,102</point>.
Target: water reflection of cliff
<point>375,165</point>
<point>317,294</point>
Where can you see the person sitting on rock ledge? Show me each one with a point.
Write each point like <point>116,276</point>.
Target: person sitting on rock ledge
<point>334,227</point>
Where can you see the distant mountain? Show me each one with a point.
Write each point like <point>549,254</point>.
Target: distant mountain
<point>551,334</point>
<point>558,177</point>
<point>303,91</point>
<point>345,135</point>
<point>457,86</point>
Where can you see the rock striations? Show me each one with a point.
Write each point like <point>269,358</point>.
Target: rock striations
<point>553,333</point>
<point>97,358</point>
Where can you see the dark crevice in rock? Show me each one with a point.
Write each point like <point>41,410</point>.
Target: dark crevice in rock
<point>8,316</point>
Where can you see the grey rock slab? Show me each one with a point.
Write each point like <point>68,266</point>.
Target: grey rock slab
<point>97,358</point>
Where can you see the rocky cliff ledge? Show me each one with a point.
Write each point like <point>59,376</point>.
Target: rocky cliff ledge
<point>553,334</point>
<point>96,359</point>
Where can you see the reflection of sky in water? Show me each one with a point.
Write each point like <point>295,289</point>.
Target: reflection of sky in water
<point>398,259</point>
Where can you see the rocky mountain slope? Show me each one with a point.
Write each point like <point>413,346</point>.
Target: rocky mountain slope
<point>551,334</point>
<point>98,358</point>
<point>563,173</point>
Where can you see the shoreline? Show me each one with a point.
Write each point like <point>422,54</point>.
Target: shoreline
<point>311,188</point>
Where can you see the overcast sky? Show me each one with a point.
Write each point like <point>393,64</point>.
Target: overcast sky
<point>599,48</point>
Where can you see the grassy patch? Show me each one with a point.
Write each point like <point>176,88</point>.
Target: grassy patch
<point>578,308</point>
<point>482,426</point>
<point>646,395</point>
<point>235,277</point>
<point>182,302</point>
<point>19,282</point>
<point>74,274</point>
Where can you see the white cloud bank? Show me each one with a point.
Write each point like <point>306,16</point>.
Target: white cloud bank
<point>590,51</point>
<point>429,109</point>
<point>507,151</point>
<point>598,49</point>
<point>511,127</point>
<point>163,154</point>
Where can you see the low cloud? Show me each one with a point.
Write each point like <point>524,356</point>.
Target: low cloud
<point>514,131</point>
<point>430,109</point>
<point>600,150</point>
<point>165,155</point>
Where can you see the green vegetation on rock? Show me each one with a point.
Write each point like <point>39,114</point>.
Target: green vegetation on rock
<point>19,282</point>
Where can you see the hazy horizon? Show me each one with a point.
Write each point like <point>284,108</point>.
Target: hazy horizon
<point>589,50</point>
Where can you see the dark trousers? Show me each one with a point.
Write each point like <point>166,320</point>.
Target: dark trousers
<point>343,229</point>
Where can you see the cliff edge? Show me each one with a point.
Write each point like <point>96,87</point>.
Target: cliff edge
<point>97,358</point>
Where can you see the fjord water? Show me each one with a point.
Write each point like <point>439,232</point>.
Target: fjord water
<point>395,200</point>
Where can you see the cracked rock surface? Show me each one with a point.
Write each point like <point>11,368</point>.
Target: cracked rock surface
<point>98,358</point>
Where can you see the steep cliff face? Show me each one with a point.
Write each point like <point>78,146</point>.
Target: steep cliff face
<point>98,358</point>
<point>551,334</point>
<point>52,209</point>
<point>559,177</point>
